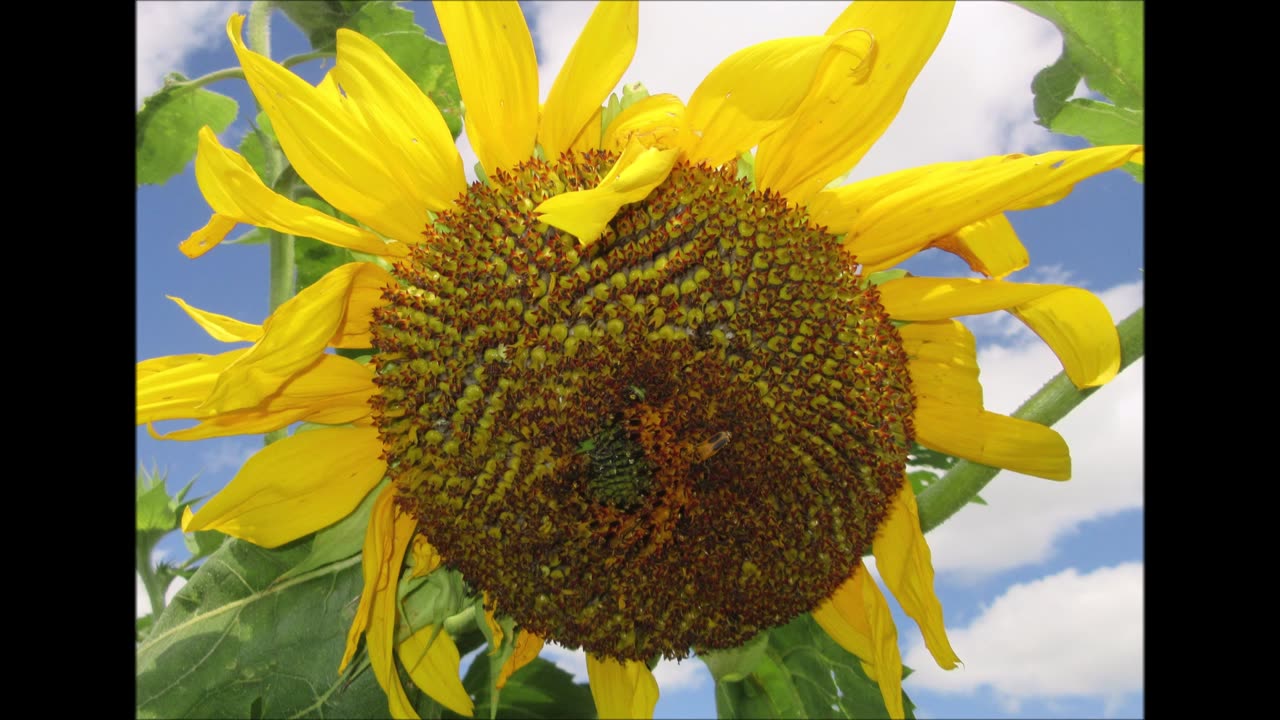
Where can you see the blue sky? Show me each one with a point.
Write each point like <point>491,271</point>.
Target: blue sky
<point>1043,588</point>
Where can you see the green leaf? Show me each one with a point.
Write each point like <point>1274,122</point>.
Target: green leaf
<point>1103,41</point>
<point>168,124</point>
<point>1103,45</point>
<point>239,641</point>
<point>923,456</point>
<point>735,664</point>
<point>1101,123</point>
<point>803,673</point>
<point>320,20</point>
<point>537,690</point>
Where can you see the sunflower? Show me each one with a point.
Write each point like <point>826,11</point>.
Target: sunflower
<point>645,400</point>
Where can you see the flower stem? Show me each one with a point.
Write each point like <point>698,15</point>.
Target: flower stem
<point>1059,396</point>
<point>150,580</point>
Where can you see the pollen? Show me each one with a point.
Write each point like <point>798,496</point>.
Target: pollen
<point>674,437</point>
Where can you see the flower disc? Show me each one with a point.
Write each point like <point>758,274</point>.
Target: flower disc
<point>676,436</point>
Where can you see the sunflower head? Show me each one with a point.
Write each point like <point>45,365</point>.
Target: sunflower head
<point>675,436</point>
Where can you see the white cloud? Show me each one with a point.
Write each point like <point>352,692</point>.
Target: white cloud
<point>226,454</point>
<point>1105,434</point>
<point>972,99</point>
<point>1068,635</point>
<point>169,31</point>
<point>672,675</point>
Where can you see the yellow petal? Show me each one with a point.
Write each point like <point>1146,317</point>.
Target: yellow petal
<point>906,566</point>
<point>220,327</point>
<point>169,388</point>
<point>330,147</point>
<point>153,366</point>
<point>991,439</point>
<point>375,562</point>
<point>1073,322</point>
<point>657,121</point>
<point>381,634</point>
<point>942,360</point>
<point>890,227</point>
<point>332,391</point>
<point>207,237</point>
<point>753,91</point>
<point>296,486</point>
<point>595,64</point>
<point>857,617</point>
<point>840,120</point>
<point>335,310</point>
<point>412,133</point>
<point>432,660</point>
<point>589,137</point>
<point>232,188</point>
<point>497,71</point>
<point>585,213</point>
<point>425,557</point>
<point>621,690</point>
<point>989,246</point>
<point>527,648</point>
<point>490,619</point>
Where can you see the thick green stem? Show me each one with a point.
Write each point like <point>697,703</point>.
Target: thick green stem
<point>1059,396</point>
<point>150,581</point>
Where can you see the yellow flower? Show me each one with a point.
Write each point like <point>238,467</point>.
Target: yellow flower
<point>644,406</point>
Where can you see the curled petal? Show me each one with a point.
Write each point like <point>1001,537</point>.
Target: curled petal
<point>208,237</point>
<point>753,91</point>
<point>294,487</point>
<point>585,213</point>
<point>841,119</point>
<point>657,121</point>
<point>989,246</point>
<point>621,689</point>
<point>1073,322</point>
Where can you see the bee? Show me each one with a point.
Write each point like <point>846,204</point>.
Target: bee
<point>712,445</point>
